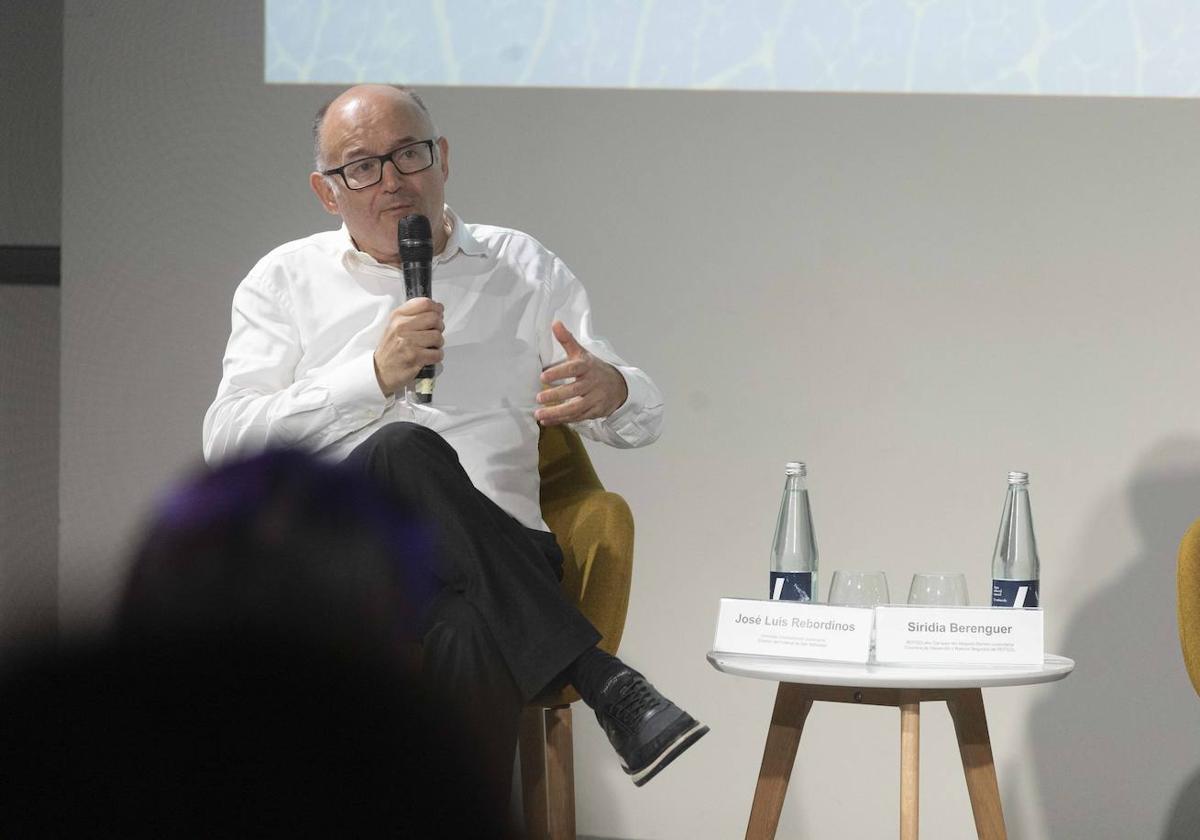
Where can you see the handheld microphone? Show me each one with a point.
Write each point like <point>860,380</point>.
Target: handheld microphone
<point>416,262</point>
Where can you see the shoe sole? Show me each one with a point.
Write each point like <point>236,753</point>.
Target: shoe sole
<point>673,751</point>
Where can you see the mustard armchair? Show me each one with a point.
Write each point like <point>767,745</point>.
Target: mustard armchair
<point>594,528</point>
<point>1188,589</point>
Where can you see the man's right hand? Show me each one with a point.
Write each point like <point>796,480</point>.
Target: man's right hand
<point>413,338</point>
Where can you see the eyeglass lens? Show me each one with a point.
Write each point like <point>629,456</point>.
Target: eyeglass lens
<point>408,160</point>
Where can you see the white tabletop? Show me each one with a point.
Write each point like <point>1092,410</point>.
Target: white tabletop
<point>813,672</point>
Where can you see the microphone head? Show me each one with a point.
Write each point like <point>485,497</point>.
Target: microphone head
<point>415,238</point>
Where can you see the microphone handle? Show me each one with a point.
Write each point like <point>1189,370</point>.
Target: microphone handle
<point>418,282</point>
<point>418,279</point>
<point>423,385</point>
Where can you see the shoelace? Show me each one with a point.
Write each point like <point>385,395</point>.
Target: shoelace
<point>634,700</point>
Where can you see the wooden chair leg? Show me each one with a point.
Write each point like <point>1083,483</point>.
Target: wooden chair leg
<point>560,774</point>
<point>547,773</point>
<point>792,705</point>
<point>531,742</point>
<point>910,765</point>
<point>975,748</point>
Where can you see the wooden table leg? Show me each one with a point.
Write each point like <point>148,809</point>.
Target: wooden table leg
<point>910,764</point>
<point>975,747</point>
<point>787,723</point>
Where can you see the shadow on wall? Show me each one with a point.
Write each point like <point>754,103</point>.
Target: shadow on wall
<point>1185,815</point>
<point>597,792</point>
<point>1120,734</point>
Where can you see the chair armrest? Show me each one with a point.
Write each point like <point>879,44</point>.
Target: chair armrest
<point>595,531</point>
<point>1188,588</point>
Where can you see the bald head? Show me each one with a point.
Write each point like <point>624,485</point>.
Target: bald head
<point>381,122</point>
<point>355,104</point>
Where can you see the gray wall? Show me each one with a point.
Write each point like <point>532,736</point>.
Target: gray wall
<point>30,193</point>
<point>914,294</point>
<point>29,409</point>
<point>31,109</point>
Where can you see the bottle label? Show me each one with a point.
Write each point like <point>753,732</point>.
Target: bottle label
<point>1015,593</point>
<point>791,586</point>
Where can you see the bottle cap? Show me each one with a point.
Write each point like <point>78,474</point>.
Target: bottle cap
<point>1018,478</point>
<point>795,468</point>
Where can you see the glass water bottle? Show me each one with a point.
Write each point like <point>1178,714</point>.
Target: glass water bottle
<point>1015,568</point>
<point>794,553</point>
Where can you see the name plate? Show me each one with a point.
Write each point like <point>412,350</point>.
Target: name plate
<point>794,629</point>
<point>958,636</point>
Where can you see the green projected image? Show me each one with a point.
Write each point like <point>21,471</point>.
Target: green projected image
<point>1072,47</point>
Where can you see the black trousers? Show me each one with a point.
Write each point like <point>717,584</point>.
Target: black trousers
<point>499,631</point>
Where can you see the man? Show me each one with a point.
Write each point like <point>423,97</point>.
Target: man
<point>323,353</point>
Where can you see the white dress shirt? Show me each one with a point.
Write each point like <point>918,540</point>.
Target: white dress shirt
<point>299,367</point>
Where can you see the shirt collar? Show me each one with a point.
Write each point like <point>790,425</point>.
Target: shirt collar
<point>460,239</point>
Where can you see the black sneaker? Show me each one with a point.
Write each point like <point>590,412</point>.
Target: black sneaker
<point>647,730</point>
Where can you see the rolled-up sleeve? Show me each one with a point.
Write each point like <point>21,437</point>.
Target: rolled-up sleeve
<point>639,420</point>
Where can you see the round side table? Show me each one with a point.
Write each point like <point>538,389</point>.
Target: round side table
<point>801,682</point>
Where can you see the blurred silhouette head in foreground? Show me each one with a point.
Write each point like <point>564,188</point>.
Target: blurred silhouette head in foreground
<point>252,686</point>
<point>279,540</point>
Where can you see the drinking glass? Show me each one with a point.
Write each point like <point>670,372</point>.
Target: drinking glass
<point>858,589</point>
<point>937,590</point>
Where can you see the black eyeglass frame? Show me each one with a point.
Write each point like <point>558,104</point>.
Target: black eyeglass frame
<point>383,159</point>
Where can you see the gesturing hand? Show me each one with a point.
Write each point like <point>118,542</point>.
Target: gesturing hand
<point>599,388</point>
<point>412,339</point>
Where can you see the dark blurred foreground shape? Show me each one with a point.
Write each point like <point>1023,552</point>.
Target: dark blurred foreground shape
<point>252,686</point>
<point>233,736</point>
<point>280,540</point>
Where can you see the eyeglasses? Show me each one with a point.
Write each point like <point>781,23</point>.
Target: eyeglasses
<point>367,172</point>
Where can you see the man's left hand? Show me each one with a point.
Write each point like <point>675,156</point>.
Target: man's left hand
<point>599,388</point>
